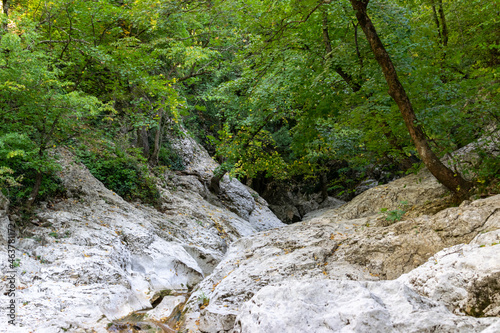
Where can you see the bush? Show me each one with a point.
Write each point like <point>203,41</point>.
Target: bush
<point>19,162</point>
<point>169,158</point>
<point>124,172</point>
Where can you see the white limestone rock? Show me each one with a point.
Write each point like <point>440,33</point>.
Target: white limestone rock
<point>96,258</point>
<point>322,306</point>
<point>466,278</point>
<point>301,250</point>
<point>234,196</point>
<point>327,246</point>
<point>401,247</point>
<point>166,308</point>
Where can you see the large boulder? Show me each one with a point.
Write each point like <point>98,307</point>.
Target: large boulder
<point>350,306</point>
<point>413,190</point>
<point>302,250</point>
<point>397,249</point>
<point>466,278</point>
<point>234,196</point>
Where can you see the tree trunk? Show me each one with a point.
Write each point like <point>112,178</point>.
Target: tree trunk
<point>5,9</point>
<point>454,182</point>
<point>153,159</point>
<point>36,189</point>
<point>142,141</point>
<point>444,27</point>
<point>436,20</point>
<point>358,53</point>
<point>355,86</point>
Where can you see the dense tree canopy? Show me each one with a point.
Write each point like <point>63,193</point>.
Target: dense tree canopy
<point>276,90</point>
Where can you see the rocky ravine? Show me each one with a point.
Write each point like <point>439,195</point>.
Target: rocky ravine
<point>96,258</point>
<point>338,271</point>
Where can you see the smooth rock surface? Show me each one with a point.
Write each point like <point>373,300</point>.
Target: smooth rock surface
<point>299,251</point>
<point>96,258</point>
<point>349,306</point>
<point>166,307</point>
<point>329,247</point>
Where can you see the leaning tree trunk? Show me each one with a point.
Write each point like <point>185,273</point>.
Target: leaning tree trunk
<point>453,181</point>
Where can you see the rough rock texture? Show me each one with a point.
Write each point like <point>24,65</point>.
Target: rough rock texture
<point>328,246</point>
<point>464,277</point>
<point>415,190</point>
<point>166,307</point>
<point>234,196</point>
<point>4,220</point>
<point>301,250</point>
<point>349,306</point>
<point>397,249</point>
<point>95,258</point>
<point>365,185</point>
<point>421,192</point>
<point>292,207</point>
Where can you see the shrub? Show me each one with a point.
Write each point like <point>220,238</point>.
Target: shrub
<point>169,158</point>
<point>395,215</point>
<point>19,162</point>
<point>122,171</point>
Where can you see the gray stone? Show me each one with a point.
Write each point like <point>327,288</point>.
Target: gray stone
<point>414,190</point>
<point>365,185</point>
<point>166,308</point>
<point>399,248</point>
<point>349,306</point>
<point>466,278</point>
<point>97,258</point>
<point>329,246</point>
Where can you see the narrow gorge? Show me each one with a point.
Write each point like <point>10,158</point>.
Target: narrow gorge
<point>206,263</point>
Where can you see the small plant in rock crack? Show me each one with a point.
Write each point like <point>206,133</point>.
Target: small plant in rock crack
<point>16,263</point>
<point>203,300</point>
<point>54,234</point>
<point>395,215</point>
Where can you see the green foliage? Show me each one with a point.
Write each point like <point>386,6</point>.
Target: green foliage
<point>254,77</point>
<point>169,158</point>
<point>203,299</point>
<point>123,172</point>
<point>395,215</point>
<point>19,163</point>
<point>16,263</point>
<point>59,235</point>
